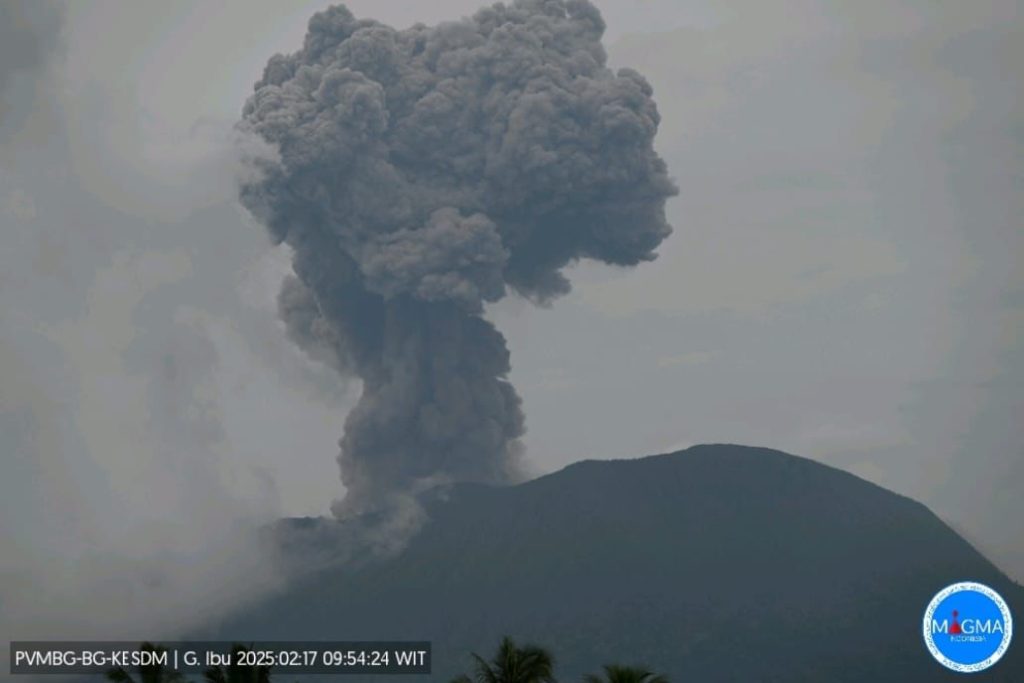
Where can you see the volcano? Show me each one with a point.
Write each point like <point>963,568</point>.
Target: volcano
<point>717,563</point>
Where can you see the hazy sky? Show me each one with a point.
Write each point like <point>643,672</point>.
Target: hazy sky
<point>844,281</point>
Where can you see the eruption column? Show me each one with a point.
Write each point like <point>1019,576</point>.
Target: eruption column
<point>422,173</point>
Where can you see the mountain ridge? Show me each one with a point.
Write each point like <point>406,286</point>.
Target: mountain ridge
<point>715,563</point>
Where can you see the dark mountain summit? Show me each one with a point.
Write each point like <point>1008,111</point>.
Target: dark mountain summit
<point>718,563</point>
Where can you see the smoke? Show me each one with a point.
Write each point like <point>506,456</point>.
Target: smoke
<point>135,466</point>
<point>29,34</point>
<point>423,173</point>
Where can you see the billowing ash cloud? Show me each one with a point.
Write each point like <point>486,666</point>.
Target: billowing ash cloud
<point>29,32</point>
<point>425,172</point>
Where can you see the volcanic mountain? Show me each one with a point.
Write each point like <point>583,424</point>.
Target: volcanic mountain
<point>717,563</point>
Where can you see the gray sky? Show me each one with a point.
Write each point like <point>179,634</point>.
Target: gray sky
<point>843,282</point>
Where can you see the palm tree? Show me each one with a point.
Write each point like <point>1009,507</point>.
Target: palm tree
<point>148,673</point>
<point>236,673</point>
<point>513,664</point>
<point>616,673</point>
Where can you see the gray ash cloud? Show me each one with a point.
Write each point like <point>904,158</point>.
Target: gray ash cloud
<point>422,173</point>
<point>30,36</point>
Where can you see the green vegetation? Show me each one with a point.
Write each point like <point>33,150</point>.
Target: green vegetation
<point>532,664</point>
<point>513,664</point>
<point>614,673</point>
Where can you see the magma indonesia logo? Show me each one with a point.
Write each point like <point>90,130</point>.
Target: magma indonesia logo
<point>967,627</point>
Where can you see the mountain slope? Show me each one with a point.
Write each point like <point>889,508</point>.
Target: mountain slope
<point>718,563</point>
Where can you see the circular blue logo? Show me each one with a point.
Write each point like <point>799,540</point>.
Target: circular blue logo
<point>967,627</point>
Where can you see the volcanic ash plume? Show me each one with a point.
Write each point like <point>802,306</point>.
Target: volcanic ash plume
<point>424,172</point>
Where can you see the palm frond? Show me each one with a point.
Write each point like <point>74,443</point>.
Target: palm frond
<point>119,675</point>
<point>484,672</point>
<point>214,674</point>
<point>617,673</point>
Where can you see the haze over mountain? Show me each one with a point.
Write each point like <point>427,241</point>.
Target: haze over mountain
<point>717,563</point>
